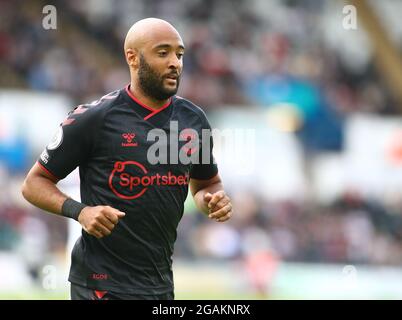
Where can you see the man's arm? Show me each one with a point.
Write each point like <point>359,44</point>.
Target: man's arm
<point>39,188</point>
<point>211,199</point>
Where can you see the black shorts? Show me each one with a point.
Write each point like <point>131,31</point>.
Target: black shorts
<point>82,293</point>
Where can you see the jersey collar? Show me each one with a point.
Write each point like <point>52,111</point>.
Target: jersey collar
<point>151,111</point>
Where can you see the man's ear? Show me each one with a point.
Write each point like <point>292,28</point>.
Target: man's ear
<point>132,58</point>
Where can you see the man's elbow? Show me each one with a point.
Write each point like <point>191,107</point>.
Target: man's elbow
<point>30,186</point>
<point>25,189</point>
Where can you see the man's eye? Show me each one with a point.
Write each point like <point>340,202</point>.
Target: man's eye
<point>162,53</point>
<point>180,55</point>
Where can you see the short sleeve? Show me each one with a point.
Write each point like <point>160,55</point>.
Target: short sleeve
<point>207,167</point>
<point>71,144</point>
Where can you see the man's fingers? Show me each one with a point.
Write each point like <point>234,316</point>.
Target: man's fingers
<point>102,229</point>
<point>207,197</point>
<point>95,233</point>
<point>99,221</point>
<point>216,197</point>
<point>113,214</point>
<point>120,214</point>
<point>225,217</point>
<point>105,221</point>
<point>113,218</point>
<point>221,203</point>
<point>99,230</point>
<point>221,212</point>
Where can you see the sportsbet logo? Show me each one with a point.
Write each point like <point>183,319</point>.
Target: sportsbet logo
<point>130,179</point>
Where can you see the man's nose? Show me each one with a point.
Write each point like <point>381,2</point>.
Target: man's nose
<point>174,62</point>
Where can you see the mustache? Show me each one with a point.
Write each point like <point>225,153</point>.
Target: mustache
<point>172,74</point>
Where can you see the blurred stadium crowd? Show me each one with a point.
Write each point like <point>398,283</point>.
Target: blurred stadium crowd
<point>236,53</point>
<point>239,53</point>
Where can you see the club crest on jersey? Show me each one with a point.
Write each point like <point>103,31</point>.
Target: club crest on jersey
<point>128,140</point>
<point>130,179</point>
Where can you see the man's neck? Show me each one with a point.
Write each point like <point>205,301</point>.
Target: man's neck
<point>144,99</point>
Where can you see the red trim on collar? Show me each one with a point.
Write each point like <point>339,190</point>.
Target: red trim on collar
<point>154,111</point>
<point>157,111</point>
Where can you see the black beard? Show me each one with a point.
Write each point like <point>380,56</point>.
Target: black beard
<point>151,82</point>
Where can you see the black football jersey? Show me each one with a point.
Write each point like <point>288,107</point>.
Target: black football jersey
<point>139,161</point>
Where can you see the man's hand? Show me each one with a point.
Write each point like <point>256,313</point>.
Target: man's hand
<point>99,221</point>
<point>219,205</point>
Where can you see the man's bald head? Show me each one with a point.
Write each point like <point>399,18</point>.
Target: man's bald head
<point>154,52</point>
<point>147,30</point>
